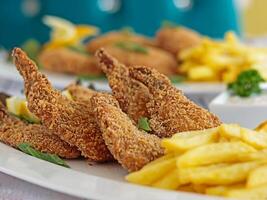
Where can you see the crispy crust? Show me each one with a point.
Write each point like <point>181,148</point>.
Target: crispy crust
<point>64,60</point>
<point>114,37</point>
<point>80,93</point>
<point>170,111</point>
<point>161,60</point>
<point>72,121</point>
<point>14,132</point>
<point>131,94</point>
<point>174,39</point>
<point>131,147</point>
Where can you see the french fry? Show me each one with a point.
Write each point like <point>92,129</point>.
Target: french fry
<point>257,177</point>
<point>169,181</point>
<point>214,153</point>
<point>259,155</point>
<point>230,131</point>
<point>221,174</point>
<point>186,188</point>
<point>262,127</point>
<point>258,193</point>
<point>185,173</point>
<point>221,190</point>
<point>254,138</point>
<point>159,160</point>
<point>199,188</point>
<point>150,174</point>
<point>189,140</point>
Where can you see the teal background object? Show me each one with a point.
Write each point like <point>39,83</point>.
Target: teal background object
<point>21,19</point>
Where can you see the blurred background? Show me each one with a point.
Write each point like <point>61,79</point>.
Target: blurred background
<point>22,19</point>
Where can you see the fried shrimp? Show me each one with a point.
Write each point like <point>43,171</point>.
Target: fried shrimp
<point>169,110</point>
<point>161,60</point>
<point>65,60</point>
<point>72,121</point>
<point>131,147</point>
<point>80,93</point>
<point>115,37</point>
<point>176,39</point>
<point>14,131</point>
<point>131,94</point>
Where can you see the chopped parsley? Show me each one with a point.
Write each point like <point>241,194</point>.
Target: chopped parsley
<point>132,46</point>
<point>143,124</point>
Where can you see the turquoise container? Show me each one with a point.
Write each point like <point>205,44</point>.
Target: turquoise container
<point>21,19</point>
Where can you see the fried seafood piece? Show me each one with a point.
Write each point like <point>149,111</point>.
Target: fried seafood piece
<point>65,60</point>
<point>176,39</point>
<point>169,110</point>
<point>80,93</point>
<point>131,94</point>
<point>116,37</point>
<point>72,121</point>
<point>131,147</point>
<point>14,131</point>
<point>161,60</point>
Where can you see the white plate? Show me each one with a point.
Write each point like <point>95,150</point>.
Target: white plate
<point>98,181</point>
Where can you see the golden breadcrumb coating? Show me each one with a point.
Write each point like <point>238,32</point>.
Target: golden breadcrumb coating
<point>115,37</point>
<point>14,131</point>
<point>72,121</point>
<point>170,111</point>
<point>65,60</point>
<point>131,95</point>
<point>80,93</point>
<point>131,147</point>
<point>176,39</point>
<point>161,60</point>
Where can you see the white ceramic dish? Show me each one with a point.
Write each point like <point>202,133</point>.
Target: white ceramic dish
<point>102,181</point>
<point>239,111</point>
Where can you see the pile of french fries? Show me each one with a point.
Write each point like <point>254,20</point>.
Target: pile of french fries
<point>228,161</point>
<point>221,61</point>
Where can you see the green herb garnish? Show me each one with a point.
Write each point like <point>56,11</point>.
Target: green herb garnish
<point>132,46</point>
<point>26,148</point>
<point>32,47</point>
<point>247,83</point>
<point>79,49</point>
<point>90,77</point>
<point>143,124</point>
<point>177,79</point>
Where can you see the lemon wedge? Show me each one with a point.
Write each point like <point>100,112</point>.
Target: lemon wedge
<point>67,94</point>
<point>18,107</point>
<point>64,33</point>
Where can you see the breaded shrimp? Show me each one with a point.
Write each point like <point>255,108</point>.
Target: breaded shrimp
<point>131,147</point>
<point>161,60</point>
<point>80,93</point>
<point>131,94</point>
<point>169,110</point>
<point>65,60</point>
<point>176,39</point>
<point>72,121</point>
<point>14,131</point>
<point>115,37</point>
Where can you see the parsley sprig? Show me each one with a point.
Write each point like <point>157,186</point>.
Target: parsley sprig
<point>247,83</point>
<point>26,148</point>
